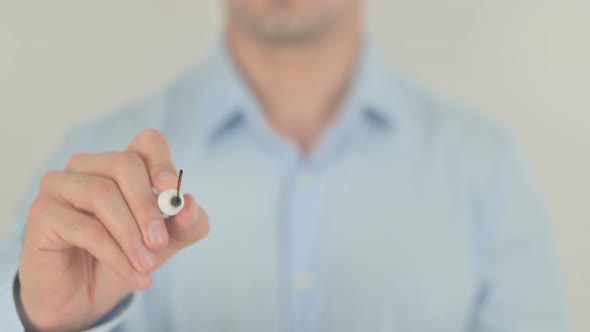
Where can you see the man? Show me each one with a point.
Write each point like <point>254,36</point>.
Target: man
<point>341,198</point>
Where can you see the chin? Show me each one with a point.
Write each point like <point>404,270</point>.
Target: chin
<point>289,29</point>
<point>289,21</point>
<point>285,26</point>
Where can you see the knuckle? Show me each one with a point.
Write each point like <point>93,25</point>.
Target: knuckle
<point>76,159</point>
<point>103,189</point>
<point>127,160</point>
<point>39,208</point>
<point>48,180</point>
<point>151,136</point>
<point>85,230</point>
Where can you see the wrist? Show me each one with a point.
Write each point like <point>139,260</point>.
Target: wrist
<point>24,318</point>
<point>46,320</point>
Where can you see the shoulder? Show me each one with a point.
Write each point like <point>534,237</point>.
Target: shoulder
<point>465,146</point>
<point>115,129</point>
<point>462,133</point>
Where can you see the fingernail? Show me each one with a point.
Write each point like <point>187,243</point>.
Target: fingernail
<point>196,213</point>
<point>167,177</point>
<point>146,258</point>
<point>157,232</point>
<point>142,280</point>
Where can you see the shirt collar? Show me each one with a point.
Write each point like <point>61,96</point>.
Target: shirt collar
<point>372,96</point>
<point>225,99</point>
<point>226,102</point>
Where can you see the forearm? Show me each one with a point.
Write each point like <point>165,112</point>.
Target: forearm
<point>15,318</point>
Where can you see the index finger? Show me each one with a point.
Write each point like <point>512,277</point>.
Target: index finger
<point>152,146</point>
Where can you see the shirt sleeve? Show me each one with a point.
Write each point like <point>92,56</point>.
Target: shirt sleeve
<point>9,318</point>
<point>74,141</point>
<point>522,285</point>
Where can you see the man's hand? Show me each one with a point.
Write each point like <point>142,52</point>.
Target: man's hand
<point>95,233</point>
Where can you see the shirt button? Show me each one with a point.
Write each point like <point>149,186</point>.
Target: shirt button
<point>304,178</point>
<point>303,282</point>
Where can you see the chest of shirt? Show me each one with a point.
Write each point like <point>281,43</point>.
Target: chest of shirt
<point>396,247</point>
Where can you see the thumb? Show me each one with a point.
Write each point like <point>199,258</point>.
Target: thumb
<point>189,226</point>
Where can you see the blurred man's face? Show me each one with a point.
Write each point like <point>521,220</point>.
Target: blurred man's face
<point>290,20</point>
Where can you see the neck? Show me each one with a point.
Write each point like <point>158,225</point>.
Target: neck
<point>300,87</point>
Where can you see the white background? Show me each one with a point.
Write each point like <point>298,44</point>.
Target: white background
<point>527,63</point>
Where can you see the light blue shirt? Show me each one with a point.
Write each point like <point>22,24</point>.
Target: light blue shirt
<point>411,214</point>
